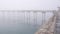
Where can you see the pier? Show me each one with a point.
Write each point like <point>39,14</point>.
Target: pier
<point>52,25</point>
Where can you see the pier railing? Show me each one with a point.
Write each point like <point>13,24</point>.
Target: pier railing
<point>48,27</point>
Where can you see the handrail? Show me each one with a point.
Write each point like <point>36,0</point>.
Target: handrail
<point>48,27</point>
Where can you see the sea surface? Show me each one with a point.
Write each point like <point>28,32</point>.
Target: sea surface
<point>12,23</point>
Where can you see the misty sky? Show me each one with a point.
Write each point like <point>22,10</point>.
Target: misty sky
<point>29,4</point>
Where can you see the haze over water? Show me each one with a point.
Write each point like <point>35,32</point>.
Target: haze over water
<point>29,4</point>
<point>16,23</point>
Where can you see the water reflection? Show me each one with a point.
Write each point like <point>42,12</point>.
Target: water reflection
<point>21,22</point>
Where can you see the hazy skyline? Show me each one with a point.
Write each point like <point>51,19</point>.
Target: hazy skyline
<point>29,4</point>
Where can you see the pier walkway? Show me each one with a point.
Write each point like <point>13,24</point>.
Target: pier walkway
<point>52,26</point>
<point>57,26</point>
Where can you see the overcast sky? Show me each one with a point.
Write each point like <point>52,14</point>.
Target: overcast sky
<point>29,4</point>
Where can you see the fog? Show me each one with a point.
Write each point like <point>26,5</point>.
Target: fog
<point>29,4</point>
<point>21,22</point>
<point>16,22</point>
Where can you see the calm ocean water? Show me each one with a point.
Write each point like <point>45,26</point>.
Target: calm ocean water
<point>9,24</point>
<point>17,29</point>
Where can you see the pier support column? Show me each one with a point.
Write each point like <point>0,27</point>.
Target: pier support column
<point>35,17</point>
<point>43,17</point>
